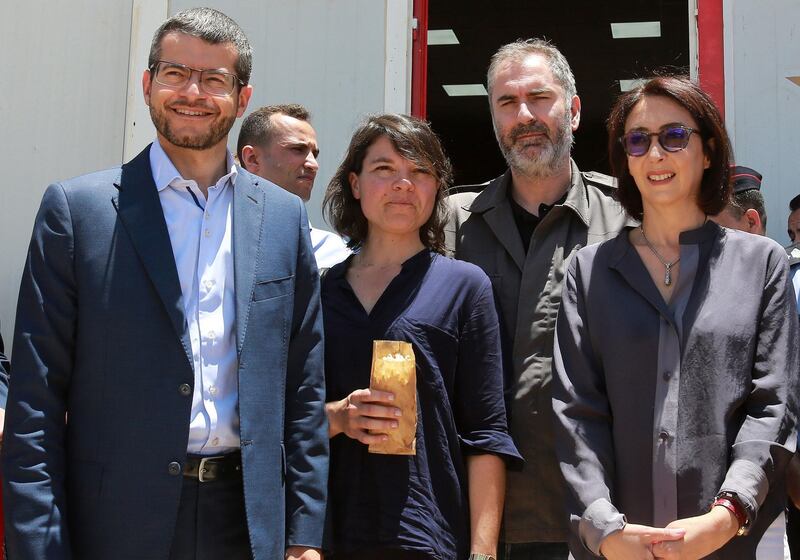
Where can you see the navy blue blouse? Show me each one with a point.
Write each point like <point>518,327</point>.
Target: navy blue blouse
<point>446,310</point>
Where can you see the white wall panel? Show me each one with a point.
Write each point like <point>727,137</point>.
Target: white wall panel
<point>342,59</point>
<point>762,106</point>
<point>75,103</point>
<point>61,115</point>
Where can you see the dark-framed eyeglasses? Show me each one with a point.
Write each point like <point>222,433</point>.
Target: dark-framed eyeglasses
<point>673,138</point>
<point>175,75</point>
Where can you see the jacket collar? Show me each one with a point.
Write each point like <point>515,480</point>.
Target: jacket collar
<point>495,195</point>
<point>494,205</point>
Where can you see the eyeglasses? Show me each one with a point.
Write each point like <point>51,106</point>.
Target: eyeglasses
<point>213,82</point>
<point>673,138</point>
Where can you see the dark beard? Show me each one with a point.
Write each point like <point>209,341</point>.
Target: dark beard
<point>218,131</point>
<point>550,159</point>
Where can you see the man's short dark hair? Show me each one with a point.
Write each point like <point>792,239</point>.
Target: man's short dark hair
<point>257,128</point>
<point>743,201</point>
<point>212,26</point>
<point>520,50</point>
<point>413,139</point>
<point>714,186</point>
<point>794,204</point>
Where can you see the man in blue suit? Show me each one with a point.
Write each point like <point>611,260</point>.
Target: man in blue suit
<point>167,398</point>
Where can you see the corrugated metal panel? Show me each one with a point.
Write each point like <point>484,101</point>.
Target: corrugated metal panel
<point>62,114</point>
<point>762,53</point>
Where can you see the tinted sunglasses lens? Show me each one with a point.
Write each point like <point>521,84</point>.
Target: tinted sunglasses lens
<point>636,143</point>
<point>674,139</point>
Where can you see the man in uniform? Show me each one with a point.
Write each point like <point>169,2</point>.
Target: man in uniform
<point>793,224</point>
<point>278,143</point>
<point>745,210</point>
<point>521,229</point>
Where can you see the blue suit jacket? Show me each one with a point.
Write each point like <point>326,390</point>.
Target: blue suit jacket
<point>101,341</point>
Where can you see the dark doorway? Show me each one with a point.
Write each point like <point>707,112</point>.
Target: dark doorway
<point>581,29</point>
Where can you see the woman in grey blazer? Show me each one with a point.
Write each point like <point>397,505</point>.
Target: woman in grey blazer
<point>676,351</point>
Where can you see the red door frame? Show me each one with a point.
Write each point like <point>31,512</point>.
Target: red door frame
<point>711,51</point>
<point>710,47</point>
<point>419,60</point>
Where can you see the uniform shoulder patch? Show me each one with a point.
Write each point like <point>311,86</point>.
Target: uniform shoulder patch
<point>600,180</point>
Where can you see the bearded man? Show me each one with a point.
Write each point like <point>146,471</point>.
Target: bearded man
<point>167,398</point>
<point>521,229</point>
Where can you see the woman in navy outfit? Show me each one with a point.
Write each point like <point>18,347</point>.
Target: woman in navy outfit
<point>446,501</point>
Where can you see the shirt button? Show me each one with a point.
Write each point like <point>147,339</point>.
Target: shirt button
<point>185,389</point>
<point>211,335</point>
<point>208,284</point>
<point>207,233</point>
<point>663,436</point>
<point>174,468</point>
<point>215,441</point>
<point>212,390</point>
<point>667,374</point>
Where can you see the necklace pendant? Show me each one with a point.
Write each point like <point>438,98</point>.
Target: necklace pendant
<point>667,275</point>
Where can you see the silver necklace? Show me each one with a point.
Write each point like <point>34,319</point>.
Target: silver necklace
<point>667,265</point>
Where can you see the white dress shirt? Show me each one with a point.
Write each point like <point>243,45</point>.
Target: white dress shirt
<point>201,233</point>
<point>329,248</point>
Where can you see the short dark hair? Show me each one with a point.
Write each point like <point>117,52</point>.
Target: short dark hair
<point>520,50</point>
<point>794,204</point>
<point>212,26</point>
<point>257,128</point>
<point>714,186</point>
<point>414,140</point>
<point>745,200</point>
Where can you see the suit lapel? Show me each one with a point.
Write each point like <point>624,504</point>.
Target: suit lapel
<point>140,212</point>
<point>248,210</point>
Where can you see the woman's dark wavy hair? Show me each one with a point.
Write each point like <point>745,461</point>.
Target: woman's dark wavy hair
<point>414,140</point>
<point>714,187</point>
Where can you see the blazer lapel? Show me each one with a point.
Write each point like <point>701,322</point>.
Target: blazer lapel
<point>140,212</point>
<point>248,210</point>
<point>625,261</point>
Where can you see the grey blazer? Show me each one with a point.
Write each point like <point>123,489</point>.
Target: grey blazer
<point>649,435</point>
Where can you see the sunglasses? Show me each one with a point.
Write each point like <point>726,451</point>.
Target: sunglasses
<point>672,138</point>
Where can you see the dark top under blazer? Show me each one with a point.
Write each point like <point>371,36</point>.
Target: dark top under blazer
<point>101,336</point>
<point>737,385</point>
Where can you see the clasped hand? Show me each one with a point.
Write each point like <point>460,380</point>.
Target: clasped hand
<point>366,415</point>
<point>691,538</point>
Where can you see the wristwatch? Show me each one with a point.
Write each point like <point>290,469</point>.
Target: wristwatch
<point>480,556</point>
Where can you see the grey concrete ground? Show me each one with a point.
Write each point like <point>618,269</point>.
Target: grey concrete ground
<point>771,546</point>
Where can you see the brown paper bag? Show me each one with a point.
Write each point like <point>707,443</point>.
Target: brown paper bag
<point>394,369</point>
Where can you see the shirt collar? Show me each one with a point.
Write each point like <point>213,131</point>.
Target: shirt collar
<point>165,173</point>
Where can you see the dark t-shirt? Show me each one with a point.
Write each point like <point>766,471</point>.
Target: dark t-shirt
<point>527,222</point>
<point>445,309</point>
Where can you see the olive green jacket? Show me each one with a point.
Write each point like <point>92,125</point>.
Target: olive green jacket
<point>527,289</point>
